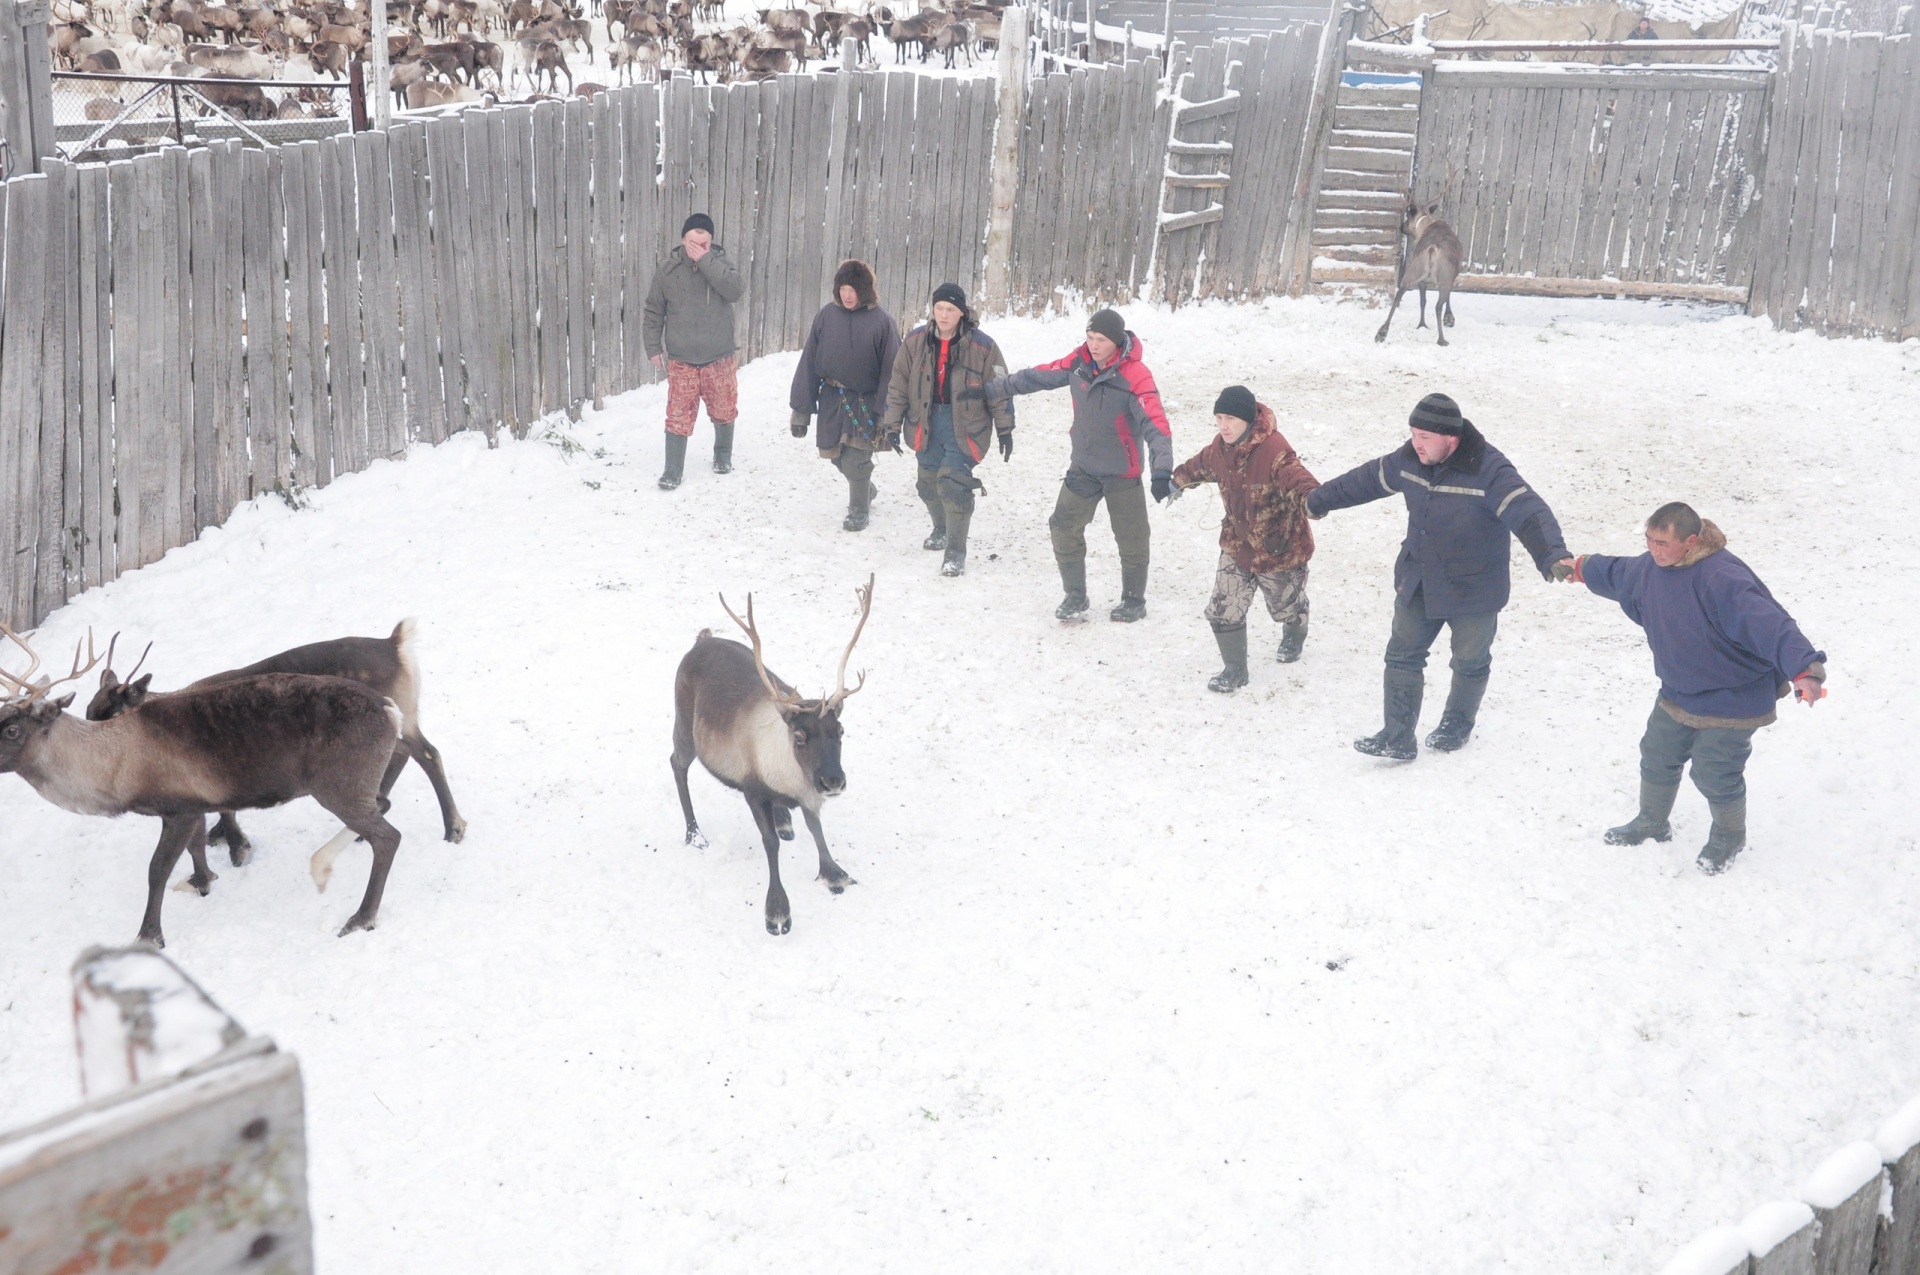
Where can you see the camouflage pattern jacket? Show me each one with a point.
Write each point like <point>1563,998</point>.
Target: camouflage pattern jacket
<point>1264,487</point>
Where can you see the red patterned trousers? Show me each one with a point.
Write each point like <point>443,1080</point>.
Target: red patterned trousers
<point>688,386</point>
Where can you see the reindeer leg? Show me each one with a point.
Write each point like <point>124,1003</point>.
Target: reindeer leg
<point>385,840</point>
<point>226,831</point>
<point>1446,299</point>
<point>175,832</point>
<point>1381,335</point>
<point>832,873</point>
<point>428,757</point>
<point>783,821</point>
<point>682,760</point>
<point>779,914</point>
<point>1442,299</point>
<point>1423,308</point>
<point>203,877</point>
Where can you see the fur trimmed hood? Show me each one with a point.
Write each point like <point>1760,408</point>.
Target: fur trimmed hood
<point>1712,541</point>
<point>858,275</point>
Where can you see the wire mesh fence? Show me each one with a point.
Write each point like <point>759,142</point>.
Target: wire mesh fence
<point>107,115</point>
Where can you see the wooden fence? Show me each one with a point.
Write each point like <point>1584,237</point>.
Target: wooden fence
<point>1842,188</point>
<point>1568,174</point>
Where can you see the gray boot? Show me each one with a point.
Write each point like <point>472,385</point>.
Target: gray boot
<point>858,467</point>
<point>1728,838</point>
<point>1133,595</point>
<point>1656,803</point>
<point>1456,720</point>
<point>1073,579</point>
<point>1233,655</point>
<point>1293,638</point>
<point>1403,690</point>
<point>676,461</point>
<point>955,563</point>
<point>723,447</point>
<point>928,485</point>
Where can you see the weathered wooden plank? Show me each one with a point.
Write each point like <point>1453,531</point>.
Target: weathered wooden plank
<point>523,263</point>
<point>637,233</point>
<point>157,318</point>
<point>1808,241</point>
<point>1833,112</point>
<point>579,173</point>
<point>345,333</point>
<point>1560,238</point>
<point>178,341</point>
<point>1844,1245</point>
<point>22,320</point>
<point>1878,204</point>
<point>126,385</point>
<point>263,266</point>
<point>200,499</point>
<point>484,354</point>
<point>549,279</point>
<point>1275,275</point>
<point>93,262</point>
<point>232,465</point>
<point>1567,76</point>
<point>765,138</point>
<point>1903,222</point>
<point>1785,120</point>
<point>771,272</point>
<point>1897,1247</point>
<point>413,262</point>
<point>803,296</point>
<point>604,247</point>
<point>743,132</point>
<point>1064,135</point>
<point>1853,178</point>
<point>386,409</point>
<point>62,517</point>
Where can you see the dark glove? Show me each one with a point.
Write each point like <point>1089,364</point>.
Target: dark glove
<point>893,441</point>
<point>969,394</point>
<point>1006,447</point>
<point>995,387</point>
<point>1176,492</point>
<point>1162,486</point>
<point>1564,570</point>
<point>801,423</point>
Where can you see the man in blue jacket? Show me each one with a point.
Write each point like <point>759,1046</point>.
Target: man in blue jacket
<point>1724,651</point>
<point>1464,502</point>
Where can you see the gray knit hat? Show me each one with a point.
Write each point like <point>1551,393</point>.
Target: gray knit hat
<point>1437,414</point>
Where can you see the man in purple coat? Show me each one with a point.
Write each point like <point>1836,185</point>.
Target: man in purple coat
<point>1724,651</point>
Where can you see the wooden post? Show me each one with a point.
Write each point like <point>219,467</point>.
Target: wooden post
<point>840,144</point>
<point>382,79</point>
<point>26,86</point>
<point>1007,140</point>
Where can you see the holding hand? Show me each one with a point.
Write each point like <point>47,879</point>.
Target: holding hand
<point>1006,447</point>
<point>1808,690</point>
<point>1565,569</point>
<point>893,441</point>
<point>1162,486</point>
<point>801,423</point>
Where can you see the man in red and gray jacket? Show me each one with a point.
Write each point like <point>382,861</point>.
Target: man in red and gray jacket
<point>1119,430</point>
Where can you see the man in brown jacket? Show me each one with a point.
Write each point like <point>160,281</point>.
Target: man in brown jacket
<point>1265,541</point>
<point>937,394</point>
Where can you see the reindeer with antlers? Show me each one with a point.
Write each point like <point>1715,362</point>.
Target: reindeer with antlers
<point>756,734</point>
<point>243,745</point>
<point>1434,260</point>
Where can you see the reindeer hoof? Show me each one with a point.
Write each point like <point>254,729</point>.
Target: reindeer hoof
<point>1380,337</point>
<point>840,883</point>
<point>696,838</point>
<point>1449,318</point>
<point>241,855</point>
<point>151,936</point>
<point>357,923</point>
<point>457,831</point>
<point>779,925</point>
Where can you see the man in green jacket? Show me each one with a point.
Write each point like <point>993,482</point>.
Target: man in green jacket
<point>688,331</point>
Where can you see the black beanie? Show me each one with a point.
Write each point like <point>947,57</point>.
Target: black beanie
<point>1437,414</point>
<point>1110,325</point>
<point>952,294</point>
<point>1235,400</point>
<point>699,221</point>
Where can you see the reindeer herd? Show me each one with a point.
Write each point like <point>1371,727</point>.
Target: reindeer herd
<point>448,51</point>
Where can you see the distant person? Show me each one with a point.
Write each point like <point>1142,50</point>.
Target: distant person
<point>937,395</point>
<point>1465,503</point>
<point>1643,30</point>
<point>1119,429</point>
<point>1265,539</point>
<point>1724,651</point>
<point>842,375</point>
<point>688,332</point>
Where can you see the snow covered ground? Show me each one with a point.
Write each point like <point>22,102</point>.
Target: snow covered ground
<point>1136,977</point>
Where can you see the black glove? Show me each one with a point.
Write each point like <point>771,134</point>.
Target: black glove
<point>1563,570</point>
<point>1006,447</point>
<point>969,394</point>
<point>800,424</point>
<point>1162,486</point>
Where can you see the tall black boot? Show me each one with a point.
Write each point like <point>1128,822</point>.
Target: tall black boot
<point>1728,838</point>
<point>928,485</point>
<point>1073,579</point>
<point>1133,595</point>
<point>1233,657</point>
<point>1293,639</point>
<point>1403,690</point>
<point>1656,803</point>
<point>723,447</point>
<point>676,461</point>
<point>955,563</point>
<point>1456,720</point>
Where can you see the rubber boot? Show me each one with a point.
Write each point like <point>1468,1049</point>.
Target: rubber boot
<point>928,485</point>
<point>1073,579</point>
<point>1133,595</point>
<point>1403,689</point>
<point>955,563</point>
<point>723,447</point>
<point>1456,720</point>
<point>859,493</point>
<point>1233,656</point>
<point>1728,838</point>
<point>1656,803</point>
<point>1293,638</point>
<point>676,461</point>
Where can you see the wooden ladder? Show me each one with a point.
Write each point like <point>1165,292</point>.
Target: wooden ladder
<point>1198,160</point>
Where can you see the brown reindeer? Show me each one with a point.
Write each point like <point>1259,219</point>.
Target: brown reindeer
<point>246,745</point>
<point>385,665</point>
<point>1434,261</point>
<point>755,734</point>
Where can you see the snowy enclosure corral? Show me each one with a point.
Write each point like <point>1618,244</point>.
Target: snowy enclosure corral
<point>1136,977</point>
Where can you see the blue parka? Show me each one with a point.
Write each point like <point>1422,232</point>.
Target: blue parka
<point>1460,514</point>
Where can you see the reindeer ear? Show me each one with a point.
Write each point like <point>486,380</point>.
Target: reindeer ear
<point>107,680</point>
<point>137,690</point>
<point>60,705</point>
<point>1433,210</point>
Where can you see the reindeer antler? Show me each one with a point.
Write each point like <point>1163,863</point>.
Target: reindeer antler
<point>779,696</point>
<point>839,696</point>
<point>27,691</point>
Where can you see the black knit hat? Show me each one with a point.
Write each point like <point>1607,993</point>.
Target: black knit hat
<point>699,221</point>
<point>1235,400</point>
<point>952,294</point>
<point>1110,325</point>
<point>1437,414</point>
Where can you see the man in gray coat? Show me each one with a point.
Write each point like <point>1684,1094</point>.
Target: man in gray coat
<point>688,332</point>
